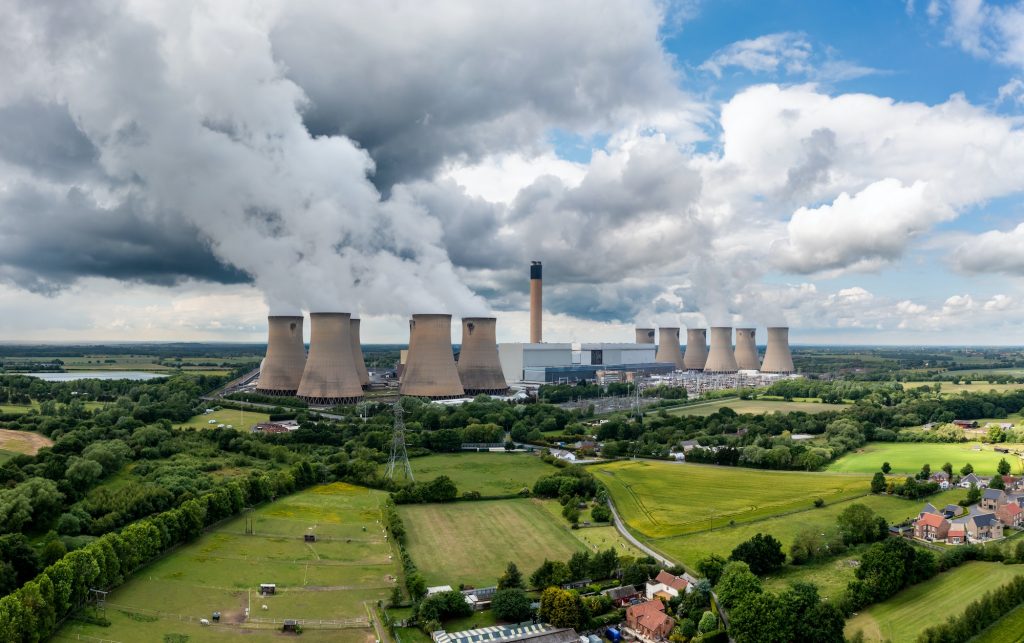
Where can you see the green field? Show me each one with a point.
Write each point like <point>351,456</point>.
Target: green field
<point>593,538</point>
<point>1009,629</point>
<point>904,616</point>
<point>754,407</point>
<point>240,420</point>
<point>908,457</point>
<point>660,499</point>
<point>973,387</point>
<point>351,564</point>
<point>489,473</point>
<point>472,542</point>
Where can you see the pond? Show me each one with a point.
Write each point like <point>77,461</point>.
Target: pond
<point>94,375</point>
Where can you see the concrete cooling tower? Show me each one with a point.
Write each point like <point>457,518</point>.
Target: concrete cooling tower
<point>430,367</point>
<point>696,349</point>
<point>479,366</point>
<point>746,350</point>
<point>281,370</point>
<point>330,376</point>
<point>721,358</point>
<point>668,348</point>
<point>777,358</point>
<point>357,354</point>
<point>644,335</point>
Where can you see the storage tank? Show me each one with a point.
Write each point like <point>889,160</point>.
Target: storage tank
<point>644,335</point>
<point>281,370</point>
<point>330,376</point>
<point>668,347</point>
<point>777,358</point>
<point>479,366</point>
<point>721,358</point>
<point>430,369</point>
<point>696,349</point>
<point>357,355</point>
<point>746,350</point>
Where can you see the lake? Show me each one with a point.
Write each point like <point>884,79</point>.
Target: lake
<point>94,375</point>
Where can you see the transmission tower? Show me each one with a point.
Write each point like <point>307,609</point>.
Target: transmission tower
<point>399,456</point>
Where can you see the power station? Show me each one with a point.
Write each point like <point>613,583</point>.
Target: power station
<point>777,358</point>
<point>430,369</point>
<point>746,350</point>
<point>696,349</point>
<point>669,351</point>
<point>281,370</point>
<point>330,376</point>
<point>479,366</point>
<point>721,358</point>
<point>357,354</point>
<point>644,335</point>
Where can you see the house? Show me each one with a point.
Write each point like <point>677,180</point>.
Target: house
<point>1012,482</point>
<point>622,596</point>
<point>931,527</point>
<point>666,586</point>
<point>969,479</point>
<point>648,621</point>
<point>929,508</point>
<point>1010,515</point>
<point>966,424</point>
<point>957,534</point>
<point>992,499</point>
<point>951,510</point>
<point>562,454</point>
<point>689,445</point>
<point>984,527</point>
<point>942,479</point>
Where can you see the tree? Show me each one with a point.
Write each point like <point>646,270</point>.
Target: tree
<point>601,513</point>
<point>708,622</point>
<point>512,578</point>
<point>973,494</point>
<point>1003,467</point>
<point>859,524</point>
<point>737,582</point>
<point>710,567</point>
<point>763,553</point>
<point>997,482</point>
<point>562,608</point>
<point>878,482</point>
<point>444,605</point>
<point>886,468</point>
<point>926,472</point>
<point>512,605</point>
<point>967,469</point>
<point>604,564</point>
<point>948,468</point>
<point>579,565</point>
<point>550,573</point>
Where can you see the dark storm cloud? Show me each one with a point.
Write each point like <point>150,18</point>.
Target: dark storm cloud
<point>42,138</point>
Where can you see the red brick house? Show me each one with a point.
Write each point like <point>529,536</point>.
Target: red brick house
<point>931,527</point>
<point>1010,515</point>
<point>957,534</point>
<point>666,586</point>
<point>649,621</point>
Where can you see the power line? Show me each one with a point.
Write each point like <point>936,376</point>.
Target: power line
<point>399,456</point>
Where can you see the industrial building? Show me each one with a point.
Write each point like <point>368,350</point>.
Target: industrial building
<point>430,369</point>
<point>330,376</point>
<point>746,350</point>
<point>479,366</point>
<point>696,349</point>
<point>281,370</point>
<point>721,358</point>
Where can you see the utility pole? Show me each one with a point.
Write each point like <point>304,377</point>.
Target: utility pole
<point>399,456</point>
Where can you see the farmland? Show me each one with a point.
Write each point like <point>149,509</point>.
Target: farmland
<point>754,407</point>
<point>472,542</point>
<point>907,457</point>
<point>967,387</point>
<point>905,615</point>
<point>240,420</point>
<point>350,564</point>
<point>26,442</point>
<point>660,499</point>
<point>489,473</point>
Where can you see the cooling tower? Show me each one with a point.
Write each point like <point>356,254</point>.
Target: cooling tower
<point>746,350</point>
<point>644,335</point>
<point>696,349</point>
<point>330,376</point>
<point>668,348</point>
<point>430,368</point>
<point>777,358</point>
<point>721,358</point>
<point>536,303</point>
<point>357,354</point>
<point>479,366</point>
<point>281,370</point>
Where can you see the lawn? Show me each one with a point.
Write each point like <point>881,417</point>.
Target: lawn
<point>489,473</point>
<point>908,457</point>
<point>904,616</point>
<point>350,564</point>
<point>1009,629</point>
<point>661,499</point>
<point>754,407</point>
<point>239,419</point>
<point>472,542</point>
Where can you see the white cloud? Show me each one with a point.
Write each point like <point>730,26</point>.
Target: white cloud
<point>998,303</point>
<point>994,251</point>
<point>987,30</point>
<point>788,51</point>
<point>1012,91</point>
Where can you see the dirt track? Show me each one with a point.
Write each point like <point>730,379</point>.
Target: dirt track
<point>23,441</point>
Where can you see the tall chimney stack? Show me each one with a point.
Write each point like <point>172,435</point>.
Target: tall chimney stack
<point>536,303</point>
<point>668,348</point>
<point>777,358</point>
<point>721,358</point>
<point>281,370</point>
<point>746,350</point>
<point>644,335</point>
<point>696,349</point>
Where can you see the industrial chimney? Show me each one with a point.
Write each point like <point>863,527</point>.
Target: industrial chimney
<point>746,350</point>
<point>281,370</point>
<point>357,355</point>
<point>479,366</point>
<point>330,376</point>
<point>668,348</point>
<point>644,335</point>
<point>777,358</point>
<point>430,367</point>
<point>536,303</point>
<point>721,358</point>
<point>696,349</point>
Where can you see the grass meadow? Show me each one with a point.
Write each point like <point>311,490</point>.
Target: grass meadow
<point>901,618</point>
<point>908,457</point>
<point>754,407</point>
<point>240,420</point>
<point>1009,629</point>
<point>972,387</point>
<point>26,442</point>
<point>489,473</point>
<point>350,564</point>
<point>472,542</point>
